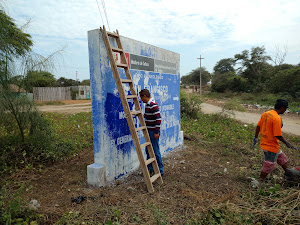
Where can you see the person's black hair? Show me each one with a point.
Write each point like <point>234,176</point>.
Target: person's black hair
<point>281,103</point>
<point>278,106</point>
<point>145,92</point>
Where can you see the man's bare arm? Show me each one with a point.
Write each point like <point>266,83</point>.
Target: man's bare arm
<point>288,144</point>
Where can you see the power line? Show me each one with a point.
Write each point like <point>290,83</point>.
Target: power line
<point>100,12</point>
<point>103,4</point>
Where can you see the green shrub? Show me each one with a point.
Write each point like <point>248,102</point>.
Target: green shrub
<point>286,81</point>
<point>14,210</point>
<point>51,137</point>
<point>233,104</point>
<point>229,82</point>
<point>190,105</point>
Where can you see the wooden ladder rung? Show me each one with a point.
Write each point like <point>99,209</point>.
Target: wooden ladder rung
<point>140,128</point>
<point>145,144</point>
<point>150,161</point>
<point>131,96</point>
<point>154,177</point>
<point>121,65</point>
<point>117,50</point>
<point>134,113</point>
<point>115,35</point>
<point>126,81</point>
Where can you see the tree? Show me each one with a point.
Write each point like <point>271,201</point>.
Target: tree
<point>278,56</point>
<point>64,82</point>
<point>13,41</point>
<point>39,79</point>
<point>224,66</point>
<point>194,77</point>
<point>286,81</point>
<point>229,82</point>
<point>23,128</point>
<point>86,82</point>
<point>252,63</point>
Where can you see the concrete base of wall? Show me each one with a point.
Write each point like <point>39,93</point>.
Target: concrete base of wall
<point>96,175</point>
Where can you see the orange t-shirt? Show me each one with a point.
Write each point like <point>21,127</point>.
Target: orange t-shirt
<point>270,125</point>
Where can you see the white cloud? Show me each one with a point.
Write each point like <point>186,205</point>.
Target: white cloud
<point>216,24</point>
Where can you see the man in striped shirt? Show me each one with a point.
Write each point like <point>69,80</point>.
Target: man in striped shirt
<point>153,121</point>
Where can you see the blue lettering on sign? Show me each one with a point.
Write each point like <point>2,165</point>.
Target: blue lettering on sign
<point>170,110</point>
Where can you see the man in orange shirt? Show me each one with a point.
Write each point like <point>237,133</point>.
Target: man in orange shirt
<point>269,127</point>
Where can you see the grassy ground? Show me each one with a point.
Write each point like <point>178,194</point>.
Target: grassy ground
<point>205,183</point>
<point>263,99</point>
<point>49,103</point>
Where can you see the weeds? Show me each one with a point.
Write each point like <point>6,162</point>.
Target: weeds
<point>190,105</point>
<point>233,105</point>
<point>56,137</point>
<point>217,134</point>
<point>49,103</point>
<point>270,205</point>
<point>13,209</point>
<point>265,99</point>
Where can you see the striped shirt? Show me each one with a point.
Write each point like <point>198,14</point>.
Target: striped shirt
<point>152,116</point>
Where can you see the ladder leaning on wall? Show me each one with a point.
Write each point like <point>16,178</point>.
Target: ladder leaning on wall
<point>128,113</point>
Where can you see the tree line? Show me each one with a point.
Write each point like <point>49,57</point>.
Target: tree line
<point>252,71</point>
<point>44,79</point>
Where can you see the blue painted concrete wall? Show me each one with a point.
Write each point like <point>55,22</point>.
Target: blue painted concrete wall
<point>151,67</point>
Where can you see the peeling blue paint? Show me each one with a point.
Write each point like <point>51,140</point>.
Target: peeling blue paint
<point>113,145</point>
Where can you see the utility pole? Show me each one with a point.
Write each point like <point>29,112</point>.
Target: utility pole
<point>76,75</point>
<point>200,76</point>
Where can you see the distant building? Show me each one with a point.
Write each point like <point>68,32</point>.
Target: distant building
<point>61,93</point>
<point>84,92</point>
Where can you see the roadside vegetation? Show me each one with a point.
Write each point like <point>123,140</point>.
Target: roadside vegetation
<point>275,203</point>
<point>62,137</point>
<point>224,140</point>
<point>49,103</point>
<point>266,100</point>
<point>32,142</point>
<point>252,76</point>
<point>57,138</point>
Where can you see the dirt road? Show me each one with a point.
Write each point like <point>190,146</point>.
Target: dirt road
<point>291,124</point>
<point>68,108</point>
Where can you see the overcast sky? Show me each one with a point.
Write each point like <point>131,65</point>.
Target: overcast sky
<point>216,29</point>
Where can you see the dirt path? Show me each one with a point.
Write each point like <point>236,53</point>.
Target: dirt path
<point>291,125</point>
<point>68,108</point>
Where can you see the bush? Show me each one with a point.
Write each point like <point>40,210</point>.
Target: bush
<point>286,81</point>
<point>233,104</point>
<point>189,105</point>
<point>27,136</point>
<point>14,210</point>
<point>229,82</point>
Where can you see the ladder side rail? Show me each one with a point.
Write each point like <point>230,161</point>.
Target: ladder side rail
<point>123,58</point>
<point>127,111</point>
<point>115,72</point>
<point>138,107</point>
<point>150,148</point>
<point>145,131</point>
